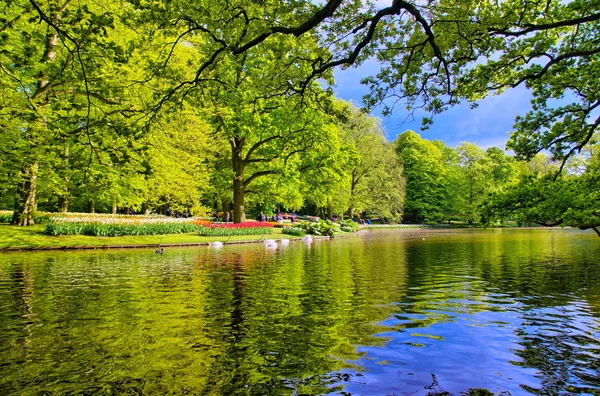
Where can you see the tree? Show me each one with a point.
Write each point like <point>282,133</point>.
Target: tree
<point>434,54</point>
<point>424,170</point>
<point>542,198</point>
<point>375,183</point>
<point>273,145</point>
<point>63,91</point>
<point>474,182</point>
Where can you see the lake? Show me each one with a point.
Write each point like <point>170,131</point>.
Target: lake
<point>397,312</point>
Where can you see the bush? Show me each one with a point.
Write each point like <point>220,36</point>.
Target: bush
<point>348,225</point>
<point>293,231</point>
<point>321,227</point>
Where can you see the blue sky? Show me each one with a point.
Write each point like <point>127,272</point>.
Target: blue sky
<point>487,125</point>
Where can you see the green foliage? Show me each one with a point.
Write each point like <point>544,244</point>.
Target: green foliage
<point>541,197</point>
<point>348,225</point>
<point>375,183</point>
<point>426,181</point>
<point>328,227</point>
<point>182,105</point>
<point>482,173</point>
<point>293,231</point>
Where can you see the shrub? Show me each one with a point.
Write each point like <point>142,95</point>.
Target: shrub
<point>348,225</point>
<point>293,231</point>
<point>233,229</point>
<point>321,227</point>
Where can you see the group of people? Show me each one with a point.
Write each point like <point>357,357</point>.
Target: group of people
<point>127,211</point>
<point>177,214</point>
<point>227,217</point>
<point>277,217</point>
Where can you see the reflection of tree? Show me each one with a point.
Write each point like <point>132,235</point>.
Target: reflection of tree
<point>16,294</point>
<point>243,320</point>
<point>539,267</point>
<point>297,318</point>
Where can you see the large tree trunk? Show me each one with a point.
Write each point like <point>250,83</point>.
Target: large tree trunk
<point>63,203</point>
<point>25,200</point>
<point>239,213</point>
<point>114,205</point>
<point>91,206</point>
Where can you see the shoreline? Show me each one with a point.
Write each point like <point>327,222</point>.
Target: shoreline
<point>138,246</point>
<point>154,245</point>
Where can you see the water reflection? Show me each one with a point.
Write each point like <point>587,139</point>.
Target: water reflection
<point>380,313</point>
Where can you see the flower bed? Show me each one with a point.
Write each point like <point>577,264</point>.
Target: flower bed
<point>234,229</point>
<point>58,227</point>
<point>5,216</point>
<point>98,224</point>
<point>108,225</point>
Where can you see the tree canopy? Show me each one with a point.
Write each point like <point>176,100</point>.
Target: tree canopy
<point>181,104</point>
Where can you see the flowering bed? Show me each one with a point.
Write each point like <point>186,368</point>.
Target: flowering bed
<point>5,216</point>
<point>117,225</point>
<point>231,229</point>
<point>100,224</point>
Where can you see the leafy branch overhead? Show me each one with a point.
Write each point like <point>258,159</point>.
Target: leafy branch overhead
<point>100,97</point>
<point>432,54</point>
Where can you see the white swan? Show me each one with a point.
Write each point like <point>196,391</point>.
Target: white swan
<point>284,242</point>
<point>307,239</point>
<point>216,244</point>
<point>270,244</point>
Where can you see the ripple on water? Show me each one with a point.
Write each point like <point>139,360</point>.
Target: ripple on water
<point>374,314</point>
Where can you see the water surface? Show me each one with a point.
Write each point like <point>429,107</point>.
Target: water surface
<point>406,312</point>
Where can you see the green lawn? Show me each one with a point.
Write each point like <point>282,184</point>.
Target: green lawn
<point>24,237</point>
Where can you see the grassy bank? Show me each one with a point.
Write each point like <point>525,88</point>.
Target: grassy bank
<point>33,237</point>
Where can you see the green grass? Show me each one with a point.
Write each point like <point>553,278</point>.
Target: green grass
<point>23,237</point>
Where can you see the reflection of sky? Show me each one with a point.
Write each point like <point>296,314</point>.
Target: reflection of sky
<point>492,349</point>
<point>487,125</point>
